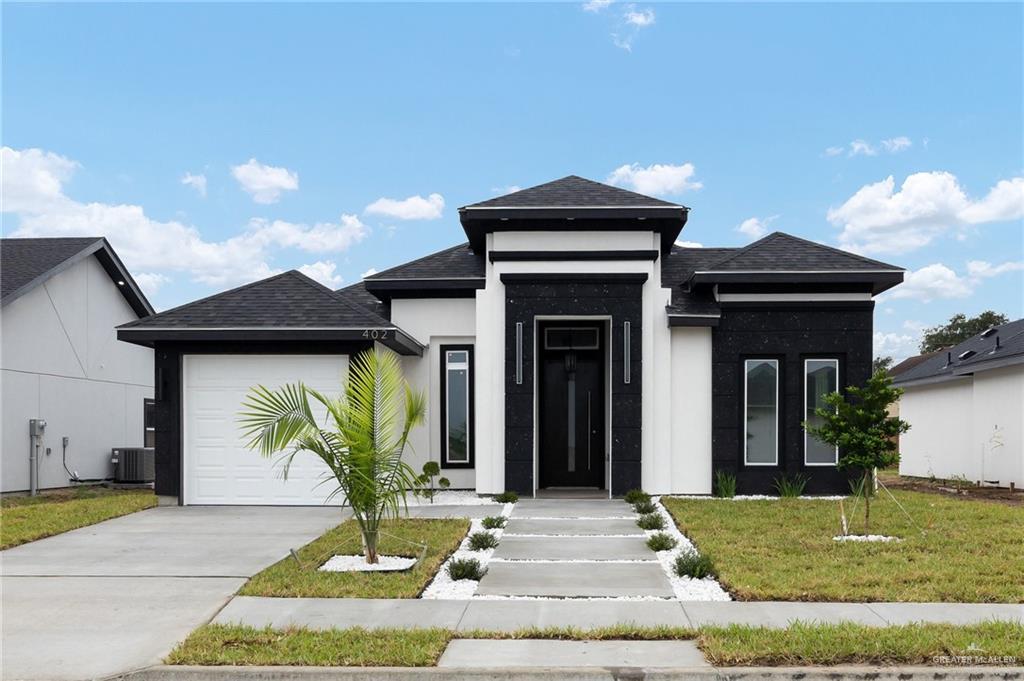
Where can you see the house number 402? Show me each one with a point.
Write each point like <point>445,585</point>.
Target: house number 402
<point>375,334</point>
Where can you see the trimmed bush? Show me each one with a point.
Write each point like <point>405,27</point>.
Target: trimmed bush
<point>651,521</point>
<point>790,486</point>
<point>479,541</point>
<point>635,495</point>
<point>465,568</point>
<point>694,565</point>
<point>725,485</point>
<point>494,522</point>
<point>645,506</point>
<point>662,541</point>
<point>506,498</point>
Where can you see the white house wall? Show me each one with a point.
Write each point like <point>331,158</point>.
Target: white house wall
<point>691,410</point>
<point>435,322</point>
<point>998,425</point>
<point>60,361</point>
<point>939,441</point>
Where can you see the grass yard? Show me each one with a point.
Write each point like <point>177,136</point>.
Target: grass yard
<point>287,578</point>
<point>783,550</point>
<point>24,519</point>
<point>799,644</point>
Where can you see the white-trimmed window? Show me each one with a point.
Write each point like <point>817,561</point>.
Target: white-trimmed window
<point>761,412</point>
<point>821,377</point>
<point>456,406</point>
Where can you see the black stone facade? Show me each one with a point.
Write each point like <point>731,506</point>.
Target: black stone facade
<point>789,333</point>
<point>616,295</point>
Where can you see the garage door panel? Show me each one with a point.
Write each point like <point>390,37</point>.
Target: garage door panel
<point>219,468</point>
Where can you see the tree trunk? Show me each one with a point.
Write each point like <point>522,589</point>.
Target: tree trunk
<point>370,538</point>
<point>867,501</point>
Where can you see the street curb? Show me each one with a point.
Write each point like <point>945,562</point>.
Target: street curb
<point>851,673</point>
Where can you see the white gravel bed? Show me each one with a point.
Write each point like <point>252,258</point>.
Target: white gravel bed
<point>453,498</point>
<point>754,497</point>
<point>358,564</point>
<point>638,533</point>
<point>685,588</point>
<point>613,561</point>
<point>575,517</point>
<point>864,537</point>
<point>496,597</point>
<point>444,587</point>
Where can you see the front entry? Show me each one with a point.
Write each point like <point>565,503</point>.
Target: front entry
<point>571,404</point>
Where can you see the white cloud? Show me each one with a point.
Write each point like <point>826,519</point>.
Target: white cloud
<point>412,208</point>
<point>508,189</point>
<point>150,282</point>
<point>264,183</point>
<point>33,190</point>
<point>596,5</point>
<point>879,219</point>
<point>368,273</point>
<point>689,244</point>
<point>894,145</point>
<point>833,151</point>
<point>862,148</point>
<point>932,282</point>
<point>323,271</point>
<point>983,270</point>
<point>658,178</point>
<point>755,227</point>
<point>899,346</point>
<point>197,182</point>
<point>641,19</point>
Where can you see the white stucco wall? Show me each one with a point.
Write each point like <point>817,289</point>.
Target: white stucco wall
<point>939,441</point>
<point>435,322</point>
<point>691,410</point>
<point>60,360</point>
<point>998,426</point>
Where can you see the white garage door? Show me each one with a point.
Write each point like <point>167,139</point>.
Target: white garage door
<point>219,469</point>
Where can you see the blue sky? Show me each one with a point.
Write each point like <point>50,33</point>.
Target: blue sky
<point>292,122</point>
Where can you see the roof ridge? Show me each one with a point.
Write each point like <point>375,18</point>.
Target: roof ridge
<point>576,178</point>
<point>776,234</point>
<point>335,296</point>
<point>464,244</point>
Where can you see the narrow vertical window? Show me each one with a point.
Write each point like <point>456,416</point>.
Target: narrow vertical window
<point>761,412</point>
<point>519,353</point>
<point>148,423</point>
<point>457,406</point>
<point>821,377</point>
<point>625,353</point>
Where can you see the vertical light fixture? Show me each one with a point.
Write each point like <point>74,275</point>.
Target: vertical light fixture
<point>625,352</point>
<point>519,353</point>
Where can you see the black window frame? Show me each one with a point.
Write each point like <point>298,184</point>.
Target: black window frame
<point>148,421</point>
<point>443,402</point>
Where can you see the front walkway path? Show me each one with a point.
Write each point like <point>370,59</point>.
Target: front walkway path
<point>574,548</point>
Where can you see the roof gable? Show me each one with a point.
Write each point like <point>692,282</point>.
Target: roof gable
<point>573,191</point>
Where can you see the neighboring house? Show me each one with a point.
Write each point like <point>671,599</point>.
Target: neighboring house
<point>965,406</point>
<point>60,360</point>
<point>569,343</point>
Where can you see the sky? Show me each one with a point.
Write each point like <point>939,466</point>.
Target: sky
<point>216,144</point>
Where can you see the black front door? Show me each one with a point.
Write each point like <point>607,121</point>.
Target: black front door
<point>571,405</point>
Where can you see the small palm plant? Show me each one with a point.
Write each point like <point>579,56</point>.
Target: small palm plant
<point>362,441</point>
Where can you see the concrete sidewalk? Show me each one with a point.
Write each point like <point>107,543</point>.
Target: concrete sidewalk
<point>511,615</point>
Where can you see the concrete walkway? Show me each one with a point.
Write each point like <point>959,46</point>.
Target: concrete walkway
<point>118,595</point>
<point>501,615</point>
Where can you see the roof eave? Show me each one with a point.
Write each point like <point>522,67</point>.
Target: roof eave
<point>880,280</point>
<point>391,337</point>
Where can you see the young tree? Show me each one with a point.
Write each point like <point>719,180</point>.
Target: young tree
<point>958,329</point>
<point>860,425</point>
<point>881,364</point>
<point>362,441</point>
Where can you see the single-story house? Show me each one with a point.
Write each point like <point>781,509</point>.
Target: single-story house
<point>61,300</point>
<point>569,343</point>
<point>965,406</point>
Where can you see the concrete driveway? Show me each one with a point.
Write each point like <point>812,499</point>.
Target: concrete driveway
<point>119,595</point>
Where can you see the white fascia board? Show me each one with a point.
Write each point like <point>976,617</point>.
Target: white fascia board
<point>790,297</point>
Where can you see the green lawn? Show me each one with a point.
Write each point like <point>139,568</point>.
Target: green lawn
<point>783,550</point>
<point>799,644</point>
<point>24,519</point>
<point>287,578</point>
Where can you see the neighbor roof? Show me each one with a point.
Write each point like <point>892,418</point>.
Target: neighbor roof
<point>287,306</point>
<point>27,263</point>
<point>1001,346</point>
<point>573,191</point>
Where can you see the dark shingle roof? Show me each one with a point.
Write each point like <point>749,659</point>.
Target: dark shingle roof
<point>911,362</point>
<point>984,353</point>
<point>290,300</point>
<point>681,262</point>
<point>359,296</point>
<point>696,303</point>
<point>457,262</point>
<point>573,192</point>
<point>780,251</point>
<point>27,263</point>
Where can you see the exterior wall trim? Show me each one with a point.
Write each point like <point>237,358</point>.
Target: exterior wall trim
<point>553,256</point>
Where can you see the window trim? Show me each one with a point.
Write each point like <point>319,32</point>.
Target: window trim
<point>834,360</point>
<point>147,404</point>
<point>778,409</point>
<point>443,393</point>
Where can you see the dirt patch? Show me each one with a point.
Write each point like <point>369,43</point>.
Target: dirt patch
<point>953,489</point>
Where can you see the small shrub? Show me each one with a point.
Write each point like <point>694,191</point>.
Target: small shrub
<point>635,495</point>
<point>645,506</point>
<point>465,568</point>
<point>725,485</point>
<point>494,522</point>
<point>444,483</point>
<point>651,521</point>
<point>662,541</point>
<point>506,498</point>
<point>478,541</point>
<point>694,565</point>
<point>790,486</point>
